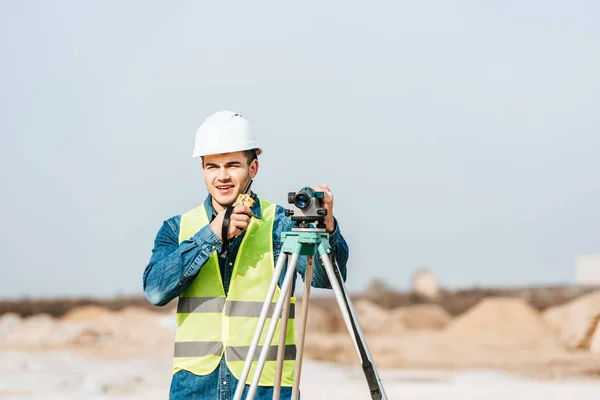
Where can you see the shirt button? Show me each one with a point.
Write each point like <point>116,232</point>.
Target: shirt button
<point>230,264</point>
<point>225,383</point>
<point>214,247</point>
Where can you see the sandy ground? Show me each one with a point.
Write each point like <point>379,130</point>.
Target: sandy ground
<point>501,348</point>
<point>61,375</point>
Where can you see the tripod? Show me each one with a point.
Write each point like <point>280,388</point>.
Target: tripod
<point>304,242</point>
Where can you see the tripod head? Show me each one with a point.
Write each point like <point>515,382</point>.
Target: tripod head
<point>307,208</point>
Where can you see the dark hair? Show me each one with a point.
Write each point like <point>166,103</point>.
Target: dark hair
<point>250,156</point>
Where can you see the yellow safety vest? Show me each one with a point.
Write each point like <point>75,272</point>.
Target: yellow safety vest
<point>210,324</point>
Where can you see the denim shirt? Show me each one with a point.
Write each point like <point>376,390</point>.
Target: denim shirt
<point>173,267</point>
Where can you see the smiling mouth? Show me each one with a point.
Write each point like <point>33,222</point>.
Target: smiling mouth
<point>224,187</point>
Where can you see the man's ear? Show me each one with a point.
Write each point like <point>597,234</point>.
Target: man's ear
<point>253,168</point>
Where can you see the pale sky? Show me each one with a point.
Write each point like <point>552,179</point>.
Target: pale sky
<point>463,137</point>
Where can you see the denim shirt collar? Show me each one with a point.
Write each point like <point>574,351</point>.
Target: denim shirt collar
<point>256,210</point>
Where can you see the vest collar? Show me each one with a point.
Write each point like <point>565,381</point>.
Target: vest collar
<point>256,209</point>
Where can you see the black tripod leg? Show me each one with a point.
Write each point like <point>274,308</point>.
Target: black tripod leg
<point>368,366</point>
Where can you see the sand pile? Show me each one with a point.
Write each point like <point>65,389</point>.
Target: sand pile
<point>42,331</point>
<point>330,347</point>
<point>375,319</point>
<point>145,327</point>
<point>319,320</point>
<point>8,323</point>
<point>33,330</point>
<point>86,313</point>
<point>502,320</point>
<point>99,332</point>
<point>595,341</point>
<point>575,322</point>
<point>586,344</point>
<point>132,329</point>
<point>421,316</point>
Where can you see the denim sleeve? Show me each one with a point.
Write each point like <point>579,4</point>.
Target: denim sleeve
<point>340,251</point>
<point>173,266</point>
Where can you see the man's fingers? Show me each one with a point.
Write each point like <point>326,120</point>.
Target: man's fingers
<point>241,209</point>
<point>237,228</point>
<point>234,232</point>
<point>240,221</point>
<point>240,217</point>
<point>242,225</point>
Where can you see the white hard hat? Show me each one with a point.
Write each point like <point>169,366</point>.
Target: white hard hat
<point>224,132</point>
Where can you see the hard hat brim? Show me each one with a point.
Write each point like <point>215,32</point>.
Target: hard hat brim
<point>197,154</point>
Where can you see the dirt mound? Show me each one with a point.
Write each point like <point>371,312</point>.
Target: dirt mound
<point>372,318</point>
<point>94,331</point>
<point>35,330</point>
<point>336,347</point>
<point>574,323</point>
<point>136,312</point>
<point>319,320</point>
<point>502,320</point>
<point>8,323</point>
<point>85,313</point>
<point>595,342</point>
<point>422,316</point>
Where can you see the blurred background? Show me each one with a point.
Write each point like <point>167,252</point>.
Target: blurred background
<point>461,141</point>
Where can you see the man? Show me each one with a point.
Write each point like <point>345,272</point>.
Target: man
<point>221,290</point>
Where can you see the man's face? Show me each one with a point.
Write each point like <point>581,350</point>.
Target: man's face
<point>226,175</point>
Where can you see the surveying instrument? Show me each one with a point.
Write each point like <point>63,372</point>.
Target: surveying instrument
<point>304,240</point>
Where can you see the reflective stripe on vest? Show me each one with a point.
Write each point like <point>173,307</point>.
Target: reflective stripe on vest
<point>210,325</point>
<point>233,353</point>
<point>200,304</point>
<point>232,308</point>
<point>251,309</point>
<point>239,353</point>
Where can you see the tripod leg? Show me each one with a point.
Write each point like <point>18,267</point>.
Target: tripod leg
<point>289,275</point>
<point>349,315</point>
<point>259,327</point>
<point>281,349</point>
<point>302,331</point>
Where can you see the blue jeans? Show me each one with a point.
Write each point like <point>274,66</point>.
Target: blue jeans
<point>219,385</point>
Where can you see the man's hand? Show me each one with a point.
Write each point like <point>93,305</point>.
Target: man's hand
<point>238,222</point>
<point>328,205</point>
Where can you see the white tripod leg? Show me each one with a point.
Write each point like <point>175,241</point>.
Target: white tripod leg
<point>259,327</point>
<point>289,275</point>
<point>302,331</point>
<point>283,328</point>
<point>349,315</point>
